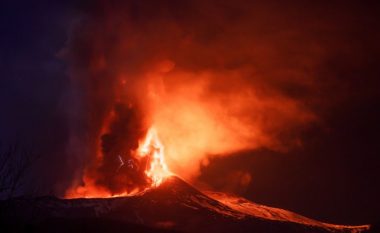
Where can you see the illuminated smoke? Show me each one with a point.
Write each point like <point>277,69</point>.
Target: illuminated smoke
<point>209,89</point>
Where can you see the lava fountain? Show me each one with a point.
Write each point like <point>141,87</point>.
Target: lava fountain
<point>147,162</point>
<point>157,169</point>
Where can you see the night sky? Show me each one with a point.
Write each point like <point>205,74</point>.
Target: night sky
<point>332,175</point>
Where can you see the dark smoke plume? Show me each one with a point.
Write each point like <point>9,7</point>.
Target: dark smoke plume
<point>213,77</point>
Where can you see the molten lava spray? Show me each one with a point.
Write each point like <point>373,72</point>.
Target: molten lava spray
<point>157,169</point>
<point>208,90</point>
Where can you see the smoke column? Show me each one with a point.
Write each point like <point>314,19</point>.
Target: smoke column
<point>237,82</point>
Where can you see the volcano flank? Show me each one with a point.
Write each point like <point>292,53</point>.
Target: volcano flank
<point>174,206</point>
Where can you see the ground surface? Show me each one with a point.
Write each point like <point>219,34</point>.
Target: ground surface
<point>174,206</point>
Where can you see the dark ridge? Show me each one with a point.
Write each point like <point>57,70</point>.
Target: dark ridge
<point>174,185</point>
<point>174,206</point>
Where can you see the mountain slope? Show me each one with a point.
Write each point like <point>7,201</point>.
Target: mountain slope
<point>173,206</point>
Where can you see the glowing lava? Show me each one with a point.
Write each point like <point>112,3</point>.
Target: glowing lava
<point>157,169</point>
<point>150,149</point>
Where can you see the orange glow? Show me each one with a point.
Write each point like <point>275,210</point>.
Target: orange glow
<point>91,190</point>
<point>157,170</point>
<point>204,99</point>
<point>214,113</point>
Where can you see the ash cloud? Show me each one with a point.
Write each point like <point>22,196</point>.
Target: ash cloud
<point>120,170</point>
<point>213,77</point>
<point>309,70</point>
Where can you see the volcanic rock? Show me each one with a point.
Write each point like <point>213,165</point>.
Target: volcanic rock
<point>174,206</point>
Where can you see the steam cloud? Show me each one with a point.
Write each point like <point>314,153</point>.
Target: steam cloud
<point>212,77</point>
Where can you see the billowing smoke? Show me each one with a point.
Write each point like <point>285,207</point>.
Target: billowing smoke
<point>118,149</point>
<point>212,78</point>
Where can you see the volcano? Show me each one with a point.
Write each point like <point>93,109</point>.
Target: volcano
<point>174,206</point>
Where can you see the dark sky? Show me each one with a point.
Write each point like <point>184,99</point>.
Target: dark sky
<point>333,176</point>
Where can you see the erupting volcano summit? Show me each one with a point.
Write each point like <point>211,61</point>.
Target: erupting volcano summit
<point>174,206</point>
<point>147,162</point>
